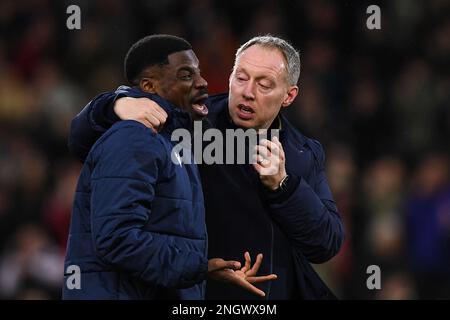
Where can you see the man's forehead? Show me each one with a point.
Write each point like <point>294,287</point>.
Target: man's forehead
<point>183,58</point>
<point>262,58</point>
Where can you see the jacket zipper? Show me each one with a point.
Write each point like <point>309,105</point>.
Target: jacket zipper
<point>271,259</point>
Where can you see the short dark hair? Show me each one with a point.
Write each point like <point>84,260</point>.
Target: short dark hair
<point>151,50</point>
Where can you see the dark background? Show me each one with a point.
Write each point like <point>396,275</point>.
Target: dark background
<point>378,100</point>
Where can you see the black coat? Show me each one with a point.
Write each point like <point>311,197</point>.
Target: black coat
<point>291,229</point>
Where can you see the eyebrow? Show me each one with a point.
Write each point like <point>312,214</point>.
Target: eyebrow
<point>261,77</point>
<point>186,68</point>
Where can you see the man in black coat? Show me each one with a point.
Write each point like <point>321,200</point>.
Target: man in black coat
<point>281,205</point>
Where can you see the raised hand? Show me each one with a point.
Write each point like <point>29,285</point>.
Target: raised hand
<point>270,162</point>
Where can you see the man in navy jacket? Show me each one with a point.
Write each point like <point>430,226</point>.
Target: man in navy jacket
<point>138,225</point>
<point>289,216</point>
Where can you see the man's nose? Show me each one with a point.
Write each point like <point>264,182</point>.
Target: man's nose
<point>248,93</point>
<point>200,83</point>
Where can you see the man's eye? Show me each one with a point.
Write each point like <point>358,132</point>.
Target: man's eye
<point>264,87</point>
<point>186,77</point>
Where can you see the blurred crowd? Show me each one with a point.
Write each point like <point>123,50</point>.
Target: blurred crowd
<point>378,100</point>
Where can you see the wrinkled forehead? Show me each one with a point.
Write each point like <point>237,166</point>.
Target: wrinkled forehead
<point>262,59</point>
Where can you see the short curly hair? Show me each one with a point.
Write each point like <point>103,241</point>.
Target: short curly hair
<point>149,51</point>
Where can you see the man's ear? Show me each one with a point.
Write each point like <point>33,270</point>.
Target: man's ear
<point>148,85</point>
<point>290,96</point>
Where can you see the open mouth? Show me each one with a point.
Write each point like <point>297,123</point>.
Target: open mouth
<point>245,109</point>
<point>245,112</point>
<point>199,107</point>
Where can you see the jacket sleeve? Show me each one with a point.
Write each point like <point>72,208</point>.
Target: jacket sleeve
<point>125,171</point>
<point>94,120</point>
<point>309,216</point>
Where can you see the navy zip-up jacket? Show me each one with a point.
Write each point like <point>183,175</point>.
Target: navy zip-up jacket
<point>138,226</point>
<point>293,228</point>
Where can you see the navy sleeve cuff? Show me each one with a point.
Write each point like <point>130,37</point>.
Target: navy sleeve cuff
<point>281,195</point>
<point>195,269</point>
<point>106,116</point>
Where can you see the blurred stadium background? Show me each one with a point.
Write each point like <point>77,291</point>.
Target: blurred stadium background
<point>379,101</point>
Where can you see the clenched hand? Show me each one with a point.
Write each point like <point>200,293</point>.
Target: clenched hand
<point>143,110</point>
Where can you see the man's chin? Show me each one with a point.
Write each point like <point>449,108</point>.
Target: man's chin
<point>242,123</point>
<point>197,117</point>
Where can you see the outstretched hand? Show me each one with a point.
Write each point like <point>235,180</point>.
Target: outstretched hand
<point>244,277</point>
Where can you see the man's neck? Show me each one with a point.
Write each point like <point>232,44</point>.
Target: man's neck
<point>274,124</point>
